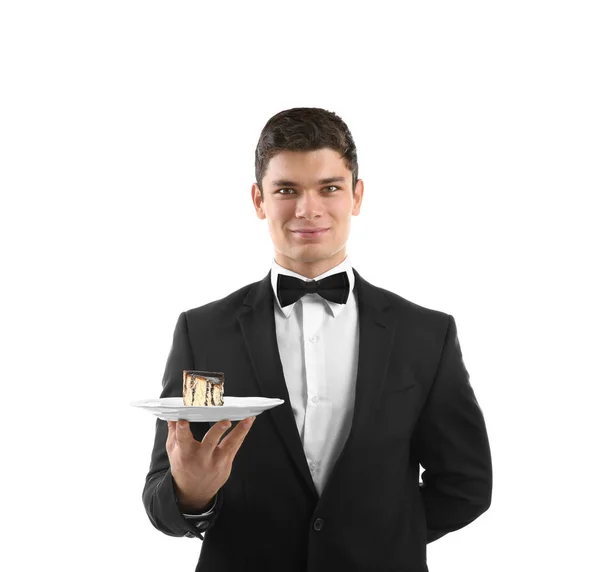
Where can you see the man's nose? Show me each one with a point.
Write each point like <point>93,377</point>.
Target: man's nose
<point>309,204</point>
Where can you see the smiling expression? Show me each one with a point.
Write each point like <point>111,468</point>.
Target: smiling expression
<point>308,191</point>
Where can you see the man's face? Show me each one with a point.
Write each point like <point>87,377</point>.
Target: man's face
<point>308,190</point>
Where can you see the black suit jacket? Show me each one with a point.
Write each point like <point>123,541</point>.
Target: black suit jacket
<point>414,405</point>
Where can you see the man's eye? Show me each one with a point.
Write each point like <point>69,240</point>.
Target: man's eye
<point>284,189</point>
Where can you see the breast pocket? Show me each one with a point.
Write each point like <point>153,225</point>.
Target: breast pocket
<point>398,411</point>
<point>388,391</point>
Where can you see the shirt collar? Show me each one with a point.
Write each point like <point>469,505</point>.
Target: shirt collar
<point>336,309</point>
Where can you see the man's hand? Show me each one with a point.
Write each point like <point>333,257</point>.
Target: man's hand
<point>200,469</point>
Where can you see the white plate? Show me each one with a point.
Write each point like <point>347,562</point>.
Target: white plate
<point>235,408</point>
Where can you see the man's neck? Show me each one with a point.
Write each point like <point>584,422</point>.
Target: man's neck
<point>310,269</point>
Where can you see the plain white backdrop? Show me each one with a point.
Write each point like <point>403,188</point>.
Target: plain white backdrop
<point>127,134</point>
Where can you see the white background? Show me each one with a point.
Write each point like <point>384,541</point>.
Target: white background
<point>127,133</point>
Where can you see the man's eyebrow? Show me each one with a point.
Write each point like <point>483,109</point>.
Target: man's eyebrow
<point>286,183</point>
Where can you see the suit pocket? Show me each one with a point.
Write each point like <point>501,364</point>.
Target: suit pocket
<point>398,389</point>
<point>397,411</point>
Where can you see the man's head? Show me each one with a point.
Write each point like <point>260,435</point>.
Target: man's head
<point>306,178</point>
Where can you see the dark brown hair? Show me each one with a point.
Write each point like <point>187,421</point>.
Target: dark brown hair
<point>304,129</point>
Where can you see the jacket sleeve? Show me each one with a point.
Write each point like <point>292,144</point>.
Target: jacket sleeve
<point>158,495</point>
<point>452,446</point>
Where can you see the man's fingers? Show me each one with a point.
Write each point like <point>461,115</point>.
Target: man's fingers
<point>232,443</point>
<point>171,432</point>
<point>214,434</point>
<point>183,433</point>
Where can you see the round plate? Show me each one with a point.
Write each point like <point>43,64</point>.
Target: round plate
<point>235,408</point>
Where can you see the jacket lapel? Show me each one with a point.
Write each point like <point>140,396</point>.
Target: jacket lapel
<point>376,332</point>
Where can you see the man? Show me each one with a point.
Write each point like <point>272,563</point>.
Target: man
<point>374,386</point>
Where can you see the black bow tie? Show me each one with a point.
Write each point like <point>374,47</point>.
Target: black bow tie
<point>335,288</point>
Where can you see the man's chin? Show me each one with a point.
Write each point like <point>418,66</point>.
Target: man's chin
<point>309,255</point>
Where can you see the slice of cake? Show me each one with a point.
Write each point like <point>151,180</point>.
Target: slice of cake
<point>203,388</point>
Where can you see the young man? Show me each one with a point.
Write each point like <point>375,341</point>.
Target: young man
<point>374,386</point>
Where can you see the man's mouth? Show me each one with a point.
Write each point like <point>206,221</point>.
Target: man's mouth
<point>310,233</point>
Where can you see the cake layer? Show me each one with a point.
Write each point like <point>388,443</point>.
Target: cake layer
<point>203,388</point>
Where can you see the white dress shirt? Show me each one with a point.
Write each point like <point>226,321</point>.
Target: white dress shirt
<point>318,347</point>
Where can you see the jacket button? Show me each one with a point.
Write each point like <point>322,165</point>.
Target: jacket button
<point>318,524</point>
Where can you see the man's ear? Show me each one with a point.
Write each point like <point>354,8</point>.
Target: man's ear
<point>257,201</point>
<point>358,196</point>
